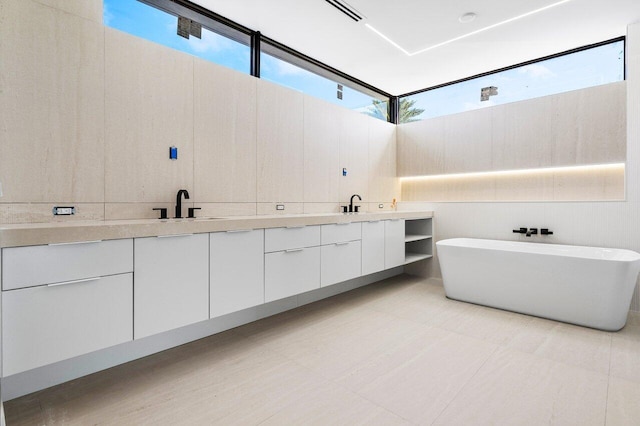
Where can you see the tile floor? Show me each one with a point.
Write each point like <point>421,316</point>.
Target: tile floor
<point>395,352</point>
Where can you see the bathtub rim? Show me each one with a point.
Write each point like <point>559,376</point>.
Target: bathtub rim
<point>625,255</point>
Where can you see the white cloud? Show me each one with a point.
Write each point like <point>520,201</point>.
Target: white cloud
<point>536,71</point>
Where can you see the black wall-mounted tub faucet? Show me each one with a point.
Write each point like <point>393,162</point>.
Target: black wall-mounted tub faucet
<point>179,202</point>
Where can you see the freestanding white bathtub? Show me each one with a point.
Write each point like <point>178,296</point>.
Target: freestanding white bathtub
<point>587,286</point>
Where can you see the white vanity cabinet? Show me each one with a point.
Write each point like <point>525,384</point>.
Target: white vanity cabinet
<point>61,301</point>
<point>373,247</point>
<point>394,254</point>
<point>171,286</point>
<point>341,254</point>
<point>291,261</point>
<point>236,270</point>
<point>45,324</point>
<point>45,264</point>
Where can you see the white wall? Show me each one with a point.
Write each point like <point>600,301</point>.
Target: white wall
<point>600,224</point>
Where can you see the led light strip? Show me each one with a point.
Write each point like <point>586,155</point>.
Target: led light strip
<point>594,167</point>
<point>524,15</point>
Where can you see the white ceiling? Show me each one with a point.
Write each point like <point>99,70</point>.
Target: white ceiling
<point>317,29</point>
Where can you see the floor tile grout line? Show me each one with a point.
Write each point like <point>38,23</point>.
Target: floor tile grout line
<point>497,348</point>
<point>371,401</point>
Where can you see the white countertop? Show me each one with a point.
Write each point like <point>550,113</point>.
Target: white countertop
<point>62,232</point>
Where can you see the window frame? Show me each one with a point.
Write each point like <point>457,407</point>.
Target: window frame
<point>258,44</point>
<point>623,39</point>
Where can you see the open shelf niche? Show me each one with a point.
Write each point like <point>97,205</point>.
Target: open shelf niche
<point>418,240</point>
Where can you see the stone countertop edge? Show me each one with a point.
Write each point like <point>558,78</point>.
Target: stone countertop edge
<point>20,235</point>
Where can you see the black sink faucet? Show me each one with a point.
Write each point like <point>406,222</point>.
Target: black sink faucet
<point>179,202</point>
<point>351,203</point>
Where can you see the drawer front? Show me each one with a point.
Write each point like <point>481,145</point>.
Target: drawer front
<point>46,324</point>
<point>340,232</point>
<point>372,247</point>
<point>236,271</point>
<point>340,262</point>
<point>290,273</point>
<point>278,239</point>
<point>37,265</point>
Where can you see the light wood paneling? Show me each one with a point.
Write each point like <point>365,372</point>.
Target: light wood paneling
<point>289,208</point>
<point>384,185</point>
<point>311,208</point>
<point>603,124</point>
<point>354,155</point>
<point>280,171</point>
<point>43,212</point>
<point>224,134</point>
<point>321,150</point>
<point>562,185</point>
<point>88,9</point>
<point>589,185</point>
<point>116,211</point>
<point>149,107</point>
<point>524,187</point>
<point>421,147</point>
<point>581,127</point>
<point>226,209</point>
<point>468,141</point>
<point>52,103</point>
<point>523,134</point>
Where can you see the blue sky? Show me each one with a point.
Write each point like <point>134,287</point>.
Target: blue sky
<point>144,21</point>
<point>601,65</point>
<point>592,67</point>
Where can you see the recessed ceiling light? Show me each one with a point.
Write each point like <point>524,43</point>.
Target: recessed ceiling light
<point>467,17</point>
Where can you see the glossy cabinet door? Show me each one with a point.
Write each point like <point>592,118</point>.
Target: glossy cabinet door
<point>171,287</point>
<point>373,247</point>
<point>45,324</point>
<point>393,243</point>
<point>340,262</point>
<point>236,270</point>
<point>291,272</point>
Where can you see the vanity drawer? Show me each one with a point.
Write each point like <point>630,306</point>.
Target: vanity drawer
<point>277,239</point>
<point>287,273</point>
<point>340,232</point>
<point>46,324</point>
<point>38,265</point>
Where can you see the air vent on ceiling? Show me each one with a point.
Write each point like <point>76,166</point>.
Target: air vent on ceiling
<point>346,9</point>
